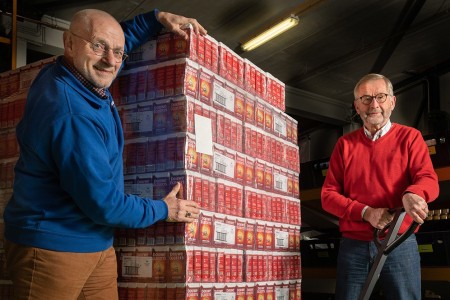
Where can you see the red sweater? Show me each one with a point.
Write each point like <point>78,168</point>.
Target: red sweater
<point>376,173</point>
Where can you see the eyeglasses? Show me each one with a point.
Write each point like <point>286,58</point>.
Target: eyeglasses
<point>366,99</point>
<point>102,50</point>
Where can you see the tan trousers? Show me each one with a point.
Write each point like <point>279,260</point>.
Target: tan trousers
<point>50,275</point>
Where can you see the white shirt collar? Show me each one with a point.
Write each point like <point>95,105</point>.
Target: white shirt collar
<point>382,131</point>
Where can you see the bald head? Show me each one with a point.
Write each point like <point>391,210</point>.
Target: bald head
<point>88,19</point>
<point>90,43</point>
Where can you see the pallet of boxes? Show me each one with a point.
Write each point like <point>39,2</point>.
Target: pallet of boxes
<point>195,112</point>
<point>14,87</point>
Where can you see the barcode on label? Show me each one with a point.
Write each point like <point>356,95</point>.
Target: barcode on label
<point>279,185</point>
<point>132,126</point>
<point>278,127</point>
<point>221,236</point>
<point>220,99</point>
<point>221,168</point>
<point>131,270</point>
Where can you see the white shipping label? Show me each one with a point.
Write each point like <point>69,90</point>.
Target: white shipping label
<point>137,266</point>
<point>224,296</point>
<point>145,120</point>
<point>148,50</point>
<point>280,182</point>
<point>281,239</point>
<point>129,187</point>
<point>224,165</point>
<point>203,135</point>
<point>131,121</point>
<point>224,233</point>
<point>144,190</point>
<point>281,293</point>
<point>223,97</point>
<point>280,125</point>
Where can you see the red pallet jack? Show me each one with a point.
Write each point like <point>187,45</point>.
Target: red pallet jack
<point>385,246</point>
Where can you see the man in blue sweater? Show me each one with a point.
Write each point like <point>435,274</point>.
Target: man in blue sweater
<point>68,190</point>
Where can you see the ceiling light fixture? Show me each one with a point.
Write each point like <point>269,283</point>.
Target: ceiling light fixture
<point>270,33</point>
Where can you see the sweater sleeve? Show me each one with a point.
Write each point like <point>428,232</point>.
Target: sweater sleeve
<point>140,29</point>
<point>424,179</point>
<point>90,180</point>
<point>332,195</point>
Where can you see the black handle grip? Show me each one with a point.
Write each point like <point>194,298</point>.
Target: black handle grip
<point>398,240</point>
<point>401,238</point>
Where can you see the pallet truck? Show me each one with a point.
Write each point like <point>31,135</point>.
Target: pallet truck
<point>385,246</point>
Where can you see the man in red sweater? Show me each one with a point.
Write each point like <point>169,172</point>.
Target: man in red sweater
<point>378,167</point>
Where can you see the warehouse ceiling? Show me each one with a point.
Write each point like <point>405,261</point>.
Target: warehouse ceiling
<point>335,43</point>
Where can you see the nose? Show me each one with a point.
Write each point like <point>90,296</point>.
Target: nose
<point>109,57</point>
<point>374,102</point>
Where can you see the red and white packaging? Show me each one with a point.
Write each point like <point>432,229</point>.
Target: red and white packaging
<point>191,79</point>
<point>192,292</point>
<point>211,60</point>
<point>240,169</point>
<point>275,92</point>
<point>260,236</point>
<point>178,114</point>
<point>205,264</point>
<point>214,55</point>
<point>151,83</point>
<point>259,174</point>
<point>161,109</point>
<point>197,253</point>
<point>259,114</point>
<point>249,171</point>
<point>268,177</point>
<point>201,50</point>
<point>260,291</point>
<point>239,104</point>
<point>186,48</point>
<point>192,157</point>
<point>220,265</point>
<point>268,119</point>
<point>250,102</point>
<point>206,229</point>
<point>206,292</point>
<point>176,266</point>
<point>206,78</point>
<point>212,265</point>
<point>169,80</point>
<point>164,45</point>
<point>249,77</point>
<point>260,78</point>
<point>250,230</point>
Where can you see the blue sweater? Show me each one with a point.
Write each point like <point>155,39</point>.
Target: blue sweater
<point>68,187</point>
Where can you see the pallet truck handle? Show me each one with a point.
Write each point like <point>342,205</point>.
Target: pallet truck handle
<point>390,242</point>
<point>398,240</point>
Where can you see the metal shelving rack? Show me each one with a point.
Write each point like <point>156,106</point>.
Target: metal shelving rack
<point>13,40</point>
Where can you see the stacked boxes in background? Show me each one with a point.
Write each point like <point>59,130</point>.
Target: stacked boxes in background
<point>197,113</point>
<point>14,87</point>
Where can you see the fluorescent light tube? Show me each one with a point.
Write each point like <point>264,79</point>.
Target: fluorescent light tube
<point>270,33</point>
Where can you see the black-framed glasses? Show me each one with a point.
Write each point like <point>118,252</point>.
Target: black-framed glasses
<point>367,99</point>
<point>102,49</point>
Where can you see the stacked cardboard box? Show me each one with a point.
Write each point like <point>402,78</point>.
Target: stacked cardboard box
<point>14,87</point>
<point>197,113</point>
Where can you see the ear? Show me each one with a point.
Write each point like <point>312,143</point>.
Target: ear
<point>68,42</point>
<point>394,100</point>
<point>356,106</point>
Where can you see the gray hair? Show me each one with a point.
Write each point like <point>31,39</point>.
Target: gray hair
<point>373,76</point>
